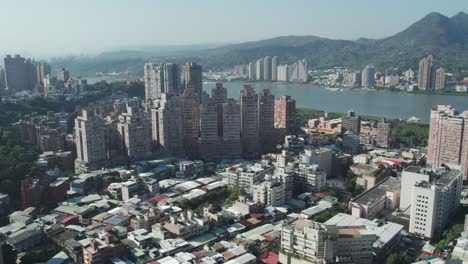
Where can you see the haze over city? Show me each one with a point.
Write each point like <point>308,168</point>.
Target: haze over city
<point>58,27</point>
<point>236,132</point>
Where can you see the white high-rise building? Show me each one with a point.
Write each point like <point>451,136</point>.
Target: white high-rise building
<point>259,70</point>
<point>299,71</point>
<point>368,76</point>
<point>134,133</point>
<point>161,78</point>
<point>90,143</point>
<point>434,197</point>
<point>282,72</point>
<point>274,68</point>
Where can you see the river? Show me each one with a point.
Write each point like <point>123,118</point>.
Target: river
<point>376,103</point>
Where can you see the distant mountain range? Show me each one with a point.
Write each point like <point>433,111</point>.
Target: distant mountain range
<point>446,38</point>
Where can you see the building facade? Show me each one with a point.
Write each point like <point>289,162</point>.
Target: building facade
<point>448,138</point>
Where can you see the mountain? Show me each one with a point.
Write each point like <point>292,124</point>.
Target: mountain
<point>446,38</point>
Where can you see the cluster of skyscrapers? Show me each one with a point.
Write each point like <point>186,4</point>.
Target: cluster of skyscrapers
<point>21,74</point>
<point>269,69</point>
<point>178,118</point>
<point>428,77</point>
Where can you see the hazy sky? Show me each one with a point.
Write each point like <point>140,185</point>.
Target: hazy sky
<point>50,27</point>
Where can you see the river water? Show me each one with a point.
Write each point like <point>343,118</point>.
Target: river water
<point>375,103</point>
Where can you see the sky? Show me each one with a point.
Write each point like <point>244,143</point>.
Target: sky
<point>63,27</point>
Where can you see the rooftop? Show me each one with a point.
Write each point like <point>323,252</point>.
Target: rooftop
<point>377,192</point>
<point>384,231</point>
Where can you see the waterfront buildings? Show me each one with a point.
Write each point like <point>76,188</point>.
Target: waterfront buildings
<point>440,79</point>
<point>267,68</point>
<point>426,73</point>
<point>351,123</point>
<point>448,138</point>
<point>274,68</point>
<point>299,71</point>
<point>368,76</point>
<point>259,70</point>
<point>252,71</point>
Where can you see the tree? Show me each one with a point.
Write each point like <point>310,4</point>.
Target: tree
<point>398,259</point>
<point>9,253</point>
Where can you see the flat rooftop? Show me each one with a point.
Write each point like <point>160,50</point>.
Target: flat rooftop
<point>378,191</point>
<point>385,231</point>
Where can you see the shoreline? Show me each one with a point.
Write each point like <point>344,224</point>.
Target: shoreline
<point>312,85</point>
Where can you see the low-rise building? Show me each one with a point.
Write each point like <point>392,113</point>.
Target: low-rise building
<point>385,195</point>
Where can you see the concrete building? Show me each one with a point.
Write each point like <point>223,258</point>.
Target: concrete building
<point>63,75</point>
<point>383,134</point>
<point>161,78</point>
<point>31,193</point>
<point>2,78</point>
<point>351,142</point>
<point>368,76</point>
<point>42,70</point>
<point>166,121</point>
<point>351,122</point>
<point>266,120</point>
<point>385,195</point>
<point>312,178</point>
<point>259,70</point>
<point>299,71</point>
<point>304,241</point>
<point>90,142</point>
<point>249,122</point>
<point>186,224</point>
<point>134,131</point>
<point>231,120</point>
<point>434,197</point>
<point>387,234</point>
<point>460,250</point>
<point>319,156</point>
<point>282,73</point>
<point>252,71</point>
<point>193,77</point>
<point>269,193</point>
<point>190,107</point>
<point>267,68</point>
<point>219,97</point>
<point>426,73</point>
<point>286,115</point>
<point>19,73</point>
<point>274,68</point>
<point>448,138</point>
<point>440,79</point>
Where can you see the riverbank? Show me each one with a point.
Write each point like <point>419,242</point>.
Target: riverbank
<point>341,88</point>
<point>407,133</point>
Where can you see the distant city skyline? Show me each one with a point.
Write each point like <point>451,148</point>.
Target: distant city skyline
<point>76,27</point>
